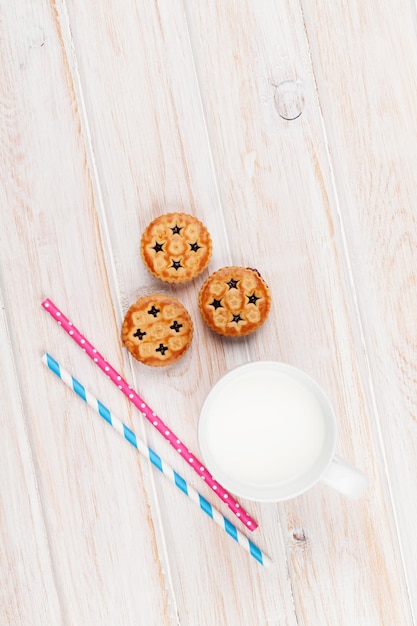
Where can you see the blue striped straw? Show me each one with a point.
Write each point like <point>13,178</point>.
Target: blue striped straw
<point>156,460</point>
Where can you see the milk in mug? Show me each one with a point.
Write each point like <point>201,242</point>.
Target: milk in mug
<point>264,430</point>
<point>267,432</point>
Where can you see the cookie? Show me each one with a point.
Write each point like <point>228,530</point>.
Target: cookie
<point>176,247</point>
<point>157,330</point>
<point>234,301</point>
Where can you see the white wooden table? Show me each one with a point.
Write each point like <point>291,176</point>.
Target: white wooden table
<point>290,130</point>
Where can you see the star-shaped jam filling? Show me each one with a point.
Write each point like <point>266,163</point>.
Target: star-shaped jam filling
<point>194,246</point>
<point>175,326</point>
<point>176,264</point>
<point>177,229</point>
<point>217,304</point>
<point>237,318</point>
<point>162,349</point>
<point>139,333</point>
<point>158,247</point>
<point>232,284</point>
<point>154,311</point>
<point>252,299</point>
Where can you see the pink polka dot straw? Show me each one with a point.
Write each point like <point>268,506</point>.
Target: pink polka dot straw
<point>149,414</point>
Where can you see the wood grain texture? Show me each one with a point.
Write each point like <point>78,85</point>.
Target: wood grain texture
<point>29,585</point>
<point>289,130</point>
<point>377,195</point>
<point>327,339</point>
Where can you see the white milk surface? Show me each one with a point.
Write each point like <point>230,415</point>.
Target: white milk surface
<point>264,428</point>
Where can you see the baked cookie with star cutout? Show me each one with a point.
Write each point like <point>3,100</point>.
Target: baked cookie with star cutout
<point>176,247</point>
<point>157,330</point>
<point>234,301</point>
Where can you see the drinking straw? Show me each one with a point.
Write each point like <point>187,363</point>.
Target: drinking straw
<point>148,413</point>
<point>155,459</point>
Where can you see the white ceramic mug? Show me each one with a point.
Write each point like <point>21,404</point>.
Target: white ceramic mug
<point>267,432</point>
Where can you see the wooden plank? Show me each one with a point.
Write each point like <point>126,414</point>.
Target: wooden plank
<point>368,98</point>
<point>29,591</point>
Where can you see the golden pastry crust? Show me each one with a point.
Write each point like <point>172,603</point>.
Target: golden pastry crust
<point>176,247</point>
<point>234,301</point>
<point>157,330</point>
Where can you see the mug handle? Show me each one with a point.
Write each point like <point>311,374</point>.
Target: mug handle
<point>345,478</point>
